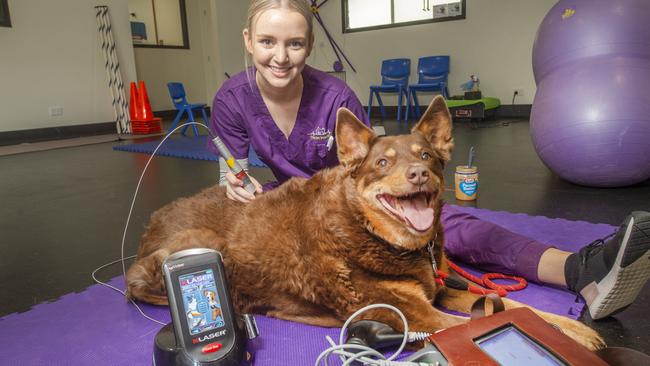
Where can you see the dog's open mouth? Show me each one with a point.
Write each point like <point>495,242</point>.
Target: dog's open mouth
<point>412,208</point>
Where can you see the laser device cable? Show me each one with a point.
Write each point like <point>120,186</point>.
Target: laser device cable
<point>128,220</point>
<point>348,358</point>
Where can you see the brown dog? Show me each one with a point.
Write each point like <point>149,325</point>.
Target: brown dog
<point>316,250</point>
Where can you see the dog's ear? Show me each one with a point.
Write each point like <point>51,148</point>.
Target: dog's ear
<point>435,125</point>
<point>352,137</point>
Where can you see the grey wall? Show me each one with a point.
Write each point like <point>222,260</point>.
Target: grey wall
<point>494,41</point>
<point>51,57</point>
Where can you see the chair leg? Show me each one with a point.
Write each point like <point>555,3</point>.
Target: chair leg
<point>414,114</point>
<point>176,119</point>
<point>416,103</point>
<point>184,129</point>
<point>408,104</point>
<point>190,118</point>
<point>399,104</point>
<point>381,107</point>
<point>205,117</point>
<point>369,104</point>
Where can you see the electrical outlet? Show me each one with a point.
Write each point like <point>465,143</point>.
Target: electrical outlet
<point>56,111</point>
<point>519,92</point>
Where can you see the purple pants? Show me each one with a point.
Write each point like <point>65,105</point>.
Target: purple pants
<point>490,247</point>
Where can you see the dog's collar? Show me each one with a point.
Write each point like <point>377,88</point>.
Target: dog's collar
<point>432,257</point>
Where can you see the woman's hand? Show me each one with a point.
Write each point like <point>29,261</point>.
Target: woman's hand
<point>235,189</point>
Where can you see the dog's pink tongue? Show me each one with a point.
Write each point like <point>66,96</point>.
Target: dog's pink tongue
<point>418,214</point>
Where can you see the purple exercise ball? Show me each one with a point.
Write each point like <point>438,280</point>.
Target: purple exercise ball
<point>590,121</point>
<point>574,30</point>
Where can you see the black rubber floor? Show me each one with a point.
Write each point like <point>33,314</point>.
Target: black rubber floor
<point>62,212</point>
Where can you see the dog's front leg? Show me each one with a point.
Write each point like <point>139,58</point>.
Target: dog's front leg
<point>410,297</point>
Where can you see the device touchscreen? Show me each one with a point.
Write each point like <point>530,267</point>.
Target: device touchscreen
<point>201,302</point>
<point>510,347</point>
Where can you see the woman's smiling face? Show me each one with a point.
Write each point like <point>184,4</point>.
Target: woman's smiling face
<point>279,44</point>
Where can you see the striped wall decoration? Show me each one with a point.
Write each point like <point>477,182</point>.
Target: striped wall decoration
<point>120,103</point>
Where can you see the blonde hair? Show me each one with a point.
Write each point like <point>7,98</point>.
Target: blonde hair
<point>256,7</point>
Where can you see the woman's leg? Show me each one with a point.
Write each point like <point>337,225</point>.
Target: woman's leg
<point>608,274</point>
<point>551,267</point>
<point>490,247</point>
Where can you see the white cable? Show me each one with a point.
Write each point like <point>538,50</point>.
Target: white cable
<point>128,219</point>
<point>341,347</point>
<point>120,291</point>
<point>377,306</point>
<point>418,336</point>
<point>357,357</point>
<point>137,188</point>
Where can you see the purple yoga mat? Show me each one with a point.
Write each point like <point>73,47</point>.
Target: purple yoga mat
<point>98,327</point>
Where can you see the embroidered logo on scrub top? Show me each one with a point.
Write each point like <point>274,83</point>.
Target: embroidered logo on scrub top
<point>320,134</point>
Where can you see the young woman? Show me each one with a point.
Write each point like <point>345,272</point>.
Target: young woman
<point>286,111</point>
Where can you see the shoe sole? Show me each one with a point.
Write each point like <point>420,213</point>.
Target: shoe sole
<point>622,284</point>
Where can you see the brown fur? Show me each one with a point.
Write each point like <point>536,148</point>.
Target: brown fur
<point>316,250</point>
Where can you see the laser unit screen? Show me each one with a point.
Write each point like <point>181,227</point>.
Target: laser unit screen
<point>510,347</point>
<point>201,301</point>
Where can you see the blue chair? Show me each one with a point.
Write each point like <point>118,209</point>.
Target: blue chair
<point>432,77</point>
<point>177,93</point>
<point>394,79</point>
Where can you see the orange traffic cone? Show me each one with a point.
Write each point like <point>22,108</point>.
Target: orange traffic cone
<point>142,119</point>
<point>133,103</point>
<point>145,106</point>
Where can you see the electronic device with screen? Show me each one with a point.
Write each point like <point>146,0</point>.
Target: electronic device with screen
<point>512,337</point>
<point>204,329</point>
<point>507,337</point>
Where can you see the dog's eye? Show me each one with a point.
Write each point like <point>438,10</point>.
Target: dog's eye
<point>382,163</point>
<point>425,156</point>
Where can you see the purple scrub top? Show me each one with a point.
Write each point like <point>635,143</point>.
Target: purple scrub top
<point>240,118</point>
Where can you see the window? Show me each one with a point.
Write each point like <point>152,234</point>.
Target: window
<point>361,15</point>
<point>5,21</point>
<point>158,23</point>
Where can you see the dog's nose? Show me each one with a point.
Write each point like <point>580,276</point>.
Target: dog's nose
<point>417,174</point>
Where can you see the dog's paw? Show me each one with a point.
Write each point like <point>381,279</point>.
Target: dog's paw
<point>582,334</point>
<point>578,331</point>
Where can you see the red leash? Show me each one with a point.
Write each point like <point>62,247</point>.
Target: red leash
<point>486,281</point>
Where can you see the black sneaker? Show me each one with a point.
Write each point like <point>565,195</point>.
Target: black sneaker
<point>609,275</point>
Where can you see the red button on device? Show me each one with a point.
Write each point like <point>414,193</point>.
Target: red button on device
<point>212,347</point>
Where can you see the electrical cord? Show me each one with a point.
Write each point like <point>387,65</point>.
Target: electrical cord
<point>120,291</point>
<point>128,220</point>
<point>342,349</point>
